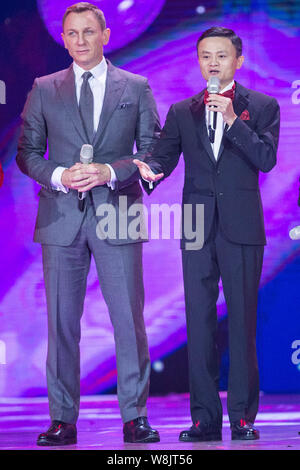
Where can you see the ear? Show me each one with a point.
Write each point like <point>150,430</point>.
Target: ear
<point>240,61</point>
<point>63,38</point>
<point>106,36</point>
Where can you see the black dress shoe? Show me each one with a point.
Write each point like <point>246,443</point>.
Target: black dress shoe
<point>243,430</point>
<point>59,434</point>
<point>139,430</point>
<point>201,432</point>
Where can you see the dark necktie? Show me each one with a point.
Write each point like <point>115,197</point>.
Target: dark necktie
<point>86,106</point>
<point>228,94</point>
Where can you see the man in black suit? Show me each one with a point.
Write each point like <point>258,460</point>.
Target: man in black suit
<point>223,177</point>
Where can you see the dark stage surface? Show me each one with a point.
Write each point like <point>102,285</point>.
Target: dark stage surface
<point>100,426</point>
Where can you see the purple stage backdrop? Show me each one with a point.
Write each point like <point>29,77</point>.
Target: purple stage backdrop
<point>127,19</point>
<point>167,56</point>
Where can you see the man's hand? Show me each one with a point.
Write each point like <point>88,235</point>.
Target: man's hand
<point>146,172</point>
<point>84,177</point>
<point>223,105</point>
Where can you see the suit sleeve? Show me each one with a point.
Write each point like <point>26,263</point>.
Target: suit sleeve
<point>146,135</point>
<point>167,151</point>
<point>32,144</point>
<point>259,146</point>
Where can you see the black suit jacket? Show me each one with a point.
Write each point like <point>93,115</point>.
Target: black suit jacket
<point>230,183</point>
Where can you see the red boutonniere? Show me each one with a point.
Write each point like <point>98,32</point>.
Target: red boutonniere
<point>1,175</point>
<point>245,116</point>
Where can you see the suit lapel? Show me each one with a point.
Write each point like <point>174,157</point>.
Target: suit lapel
<point>115,84</point>
<point>67,92</point>
<point>241,100</point>
<point>198,112</point>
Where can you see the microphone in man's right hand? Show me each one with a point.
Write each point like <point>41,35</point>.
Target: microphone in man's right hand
<point>213,87</point>
<point>86,157</point>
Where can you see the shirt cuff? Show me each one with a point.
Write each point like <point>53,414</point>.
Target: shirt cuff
<point>149,182</point>
<point>113,179</point>
<point>56,179</point>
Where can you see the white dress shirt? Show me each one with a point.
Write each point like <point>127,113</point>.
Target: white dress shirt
<point>220,125</point>
<point>97,84</point>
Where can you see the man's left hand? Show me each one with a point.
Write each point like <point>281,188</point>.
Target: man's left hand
<point>223,105</point>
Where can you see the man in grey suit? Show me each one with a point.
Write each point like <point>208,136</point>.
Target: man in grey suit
<point>93,103</point>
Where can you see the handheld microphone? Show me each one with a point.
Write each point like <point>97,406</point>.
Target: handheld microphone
<point>86,156</point>
<point>213,86</point>
<point>295,233</point>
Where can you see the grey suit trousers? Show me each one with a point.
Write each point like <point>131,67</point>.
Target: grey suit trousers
<point>120,275</point>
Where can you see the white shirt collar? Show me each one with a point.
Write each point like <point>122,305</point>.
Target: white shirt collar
<point>98,71</point>
<point>228,87</point>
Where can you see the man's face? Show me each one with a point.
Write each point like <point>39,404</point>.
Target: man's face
<point>84,38</point>
<point>217,57</point>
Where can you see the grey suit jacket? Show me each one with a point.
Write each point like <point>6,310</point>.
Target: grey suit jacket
<point>51,120</point>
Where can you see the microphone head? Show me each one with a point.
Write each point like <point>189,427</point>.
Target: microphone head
<point>213,85</point>
<point>86,153</point>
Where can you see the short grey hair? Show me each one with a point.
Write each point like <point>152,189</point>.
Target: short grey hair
<point>85,6</point>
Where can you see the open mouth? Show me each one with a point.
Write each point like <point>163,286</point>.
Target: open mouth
<point>214,72</point>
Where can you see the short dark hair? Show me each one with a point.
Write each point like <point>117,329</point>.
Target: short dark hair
<point>85,6</point>
<point>218,31</point>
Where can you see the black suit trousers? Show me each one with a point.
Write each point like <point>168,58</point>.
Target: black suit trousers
<point>239,267</point>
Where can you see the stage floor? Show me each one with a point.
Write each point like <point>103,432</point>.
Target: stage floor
<point>100,426</point>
